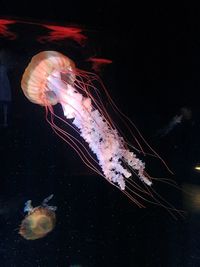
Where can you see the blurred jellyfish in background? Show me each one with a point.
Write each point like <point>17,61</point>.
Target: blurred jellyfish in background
<point>98,63</point>
<point>53,32</point>
<point>5,28</point>
<point>184,114</point>
<point>191,197</point>
<point>5,89</point>
<point>40,220</point>
<point>51,78</point>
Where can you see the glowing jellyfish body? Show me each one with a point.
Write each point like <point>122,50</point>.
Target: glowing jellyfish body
<point>39,221</point>
<point>52,78</point>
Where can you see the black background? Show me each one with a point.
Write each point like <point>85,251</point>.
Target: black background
<point>155,72</point>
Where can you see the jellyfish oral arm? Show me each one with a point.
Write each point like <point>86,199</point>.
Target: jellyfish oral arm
<point>66,94</point>
<point>28,206</point>
<point>46,200</point>
<point>115,160</point>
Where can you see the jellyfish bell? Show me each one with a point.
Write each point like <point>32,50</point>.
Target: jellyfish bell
<point>52,78</point>
<point>43,66</point>
<point>39,221</point>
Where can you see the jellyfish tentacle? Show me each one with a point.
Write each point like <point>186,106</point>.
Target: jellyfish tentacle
<point>46,200</point>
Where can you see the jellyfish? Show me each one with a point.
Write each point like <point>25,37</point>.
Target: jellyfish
<point>39,221</point>
<point>4,29</point>
<point>52,78</point>
<point>98,63</point>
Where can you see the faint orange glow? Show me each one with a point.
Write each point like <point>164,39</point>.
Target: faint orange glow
<point>191,197</point>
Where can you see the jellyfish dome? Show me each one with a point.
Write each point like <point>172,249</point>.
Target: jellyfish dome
<point>39,221</point>
<point>35,81</point>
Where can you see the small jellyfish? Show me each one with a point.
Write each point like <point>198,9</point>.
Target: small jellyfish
<point>39,221</point>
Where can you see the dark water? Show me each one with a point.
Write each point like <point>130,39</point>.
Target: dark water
<point>155,73</point>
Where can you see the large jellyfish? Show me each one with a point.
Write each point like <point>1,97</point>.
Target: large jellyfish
<point>39,221</point>
<point>51,78</point>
